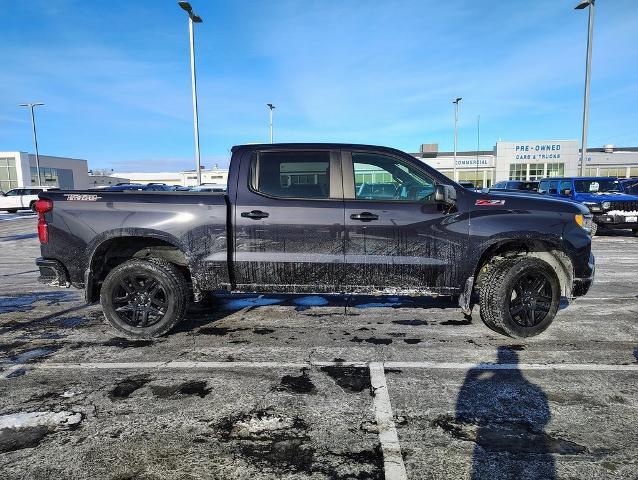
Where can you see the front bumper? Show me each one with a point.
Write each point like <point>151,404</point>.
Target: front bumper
<point>582,285</point>
<point>52,272</point>
<point>616,221</point>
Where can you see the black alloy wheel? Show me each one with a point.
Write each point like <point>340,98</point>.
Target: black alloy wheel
<point>530,298</point>
<point>140,300</point>
<point>144,298</point>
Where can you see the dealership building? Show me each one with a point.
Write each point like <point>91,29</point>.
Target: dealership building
<point>18,169</point>
<point>531,160</point>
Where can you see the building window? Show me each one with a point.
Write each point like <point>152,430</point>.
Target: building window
<point>8,174</point>
<point>518,171</point>
<point>53,177</point>
<point>476,177</point>
<point>555,169</point>
<point>620,172</point>
<point>536,171</point>
<point>633,172</point>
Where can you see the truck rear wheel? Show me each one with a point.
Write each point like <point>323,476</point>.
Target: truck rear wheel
<point>144,298</point>
<point>519,297</point>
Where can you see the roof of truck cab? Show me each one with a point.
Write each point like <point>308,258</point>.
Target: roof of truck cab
<point>299,146</point>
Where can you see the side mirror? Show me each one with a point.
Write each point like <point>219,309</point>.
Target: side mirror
<point>445,194</point>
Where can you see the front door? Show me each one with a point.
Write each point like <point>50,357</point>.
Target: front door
<point>398,238</point>
<point>289,228</point>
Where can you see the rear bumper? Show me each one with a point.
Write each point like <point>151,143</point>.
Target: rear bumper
<point>52,272</point>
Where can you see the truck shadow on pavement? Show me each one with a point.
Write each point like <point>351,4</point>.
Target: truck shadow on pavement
<point>218,307</point>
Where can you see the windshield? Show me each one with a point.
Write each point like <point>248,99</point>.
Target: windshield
<point>632,187</point>
<point>597,186</point>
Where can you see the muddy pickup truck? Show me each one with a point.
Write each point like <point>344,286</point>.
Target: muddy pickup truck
<point>317,218</point>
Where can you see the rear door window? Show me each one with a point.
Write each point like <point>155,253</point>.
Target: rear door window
<point>292,174</point>
<point>553,187</point>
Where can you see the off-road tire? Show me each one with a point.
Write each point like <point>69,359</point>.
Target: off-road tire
<point>496,292</point>
<point>594,229</point>
<point>172,282</point>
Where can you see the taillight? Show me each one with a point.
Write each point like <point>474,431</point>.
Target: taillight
<point>42,206</point>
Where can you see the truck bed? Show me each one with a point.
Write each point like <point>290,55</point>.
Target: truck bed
<point>82,222</point>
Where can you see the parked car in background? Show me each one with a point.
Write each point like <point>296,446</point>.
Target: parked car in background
<point>630,186</point>
<point>294,221</point>
<point>21,198</point>
<point>516,185</point>
<point>468,185</point>
<point>209,187</point>
<point>611,206</point>
<point>151,187</point>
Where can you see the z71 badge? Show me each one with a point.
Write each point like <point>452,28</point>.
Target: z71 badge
<point>490,203</point>
<point>82,197</point>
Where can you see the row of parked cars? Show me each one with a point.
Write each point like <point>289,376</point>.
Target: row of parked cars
<point>25,198</point>
<point>613,202</point>
<point>161,187</point>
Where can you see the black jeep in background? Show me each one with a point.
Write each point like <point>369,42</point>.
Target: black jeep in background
<point>318,218</point>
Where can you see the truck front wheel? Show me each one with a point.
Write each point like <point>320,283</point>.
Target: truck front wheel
<point>144,298</point>
<point>519,297</point>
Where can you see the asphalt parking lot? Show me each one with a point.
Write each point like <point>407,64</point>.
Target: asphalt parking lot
<point>316,387</point>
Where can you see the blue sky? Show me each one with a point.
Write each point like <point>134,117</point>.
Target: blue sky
<point>116,81</point>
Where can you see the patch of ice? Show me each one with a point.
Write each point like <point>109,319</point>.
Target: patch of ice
<point>52,420</point>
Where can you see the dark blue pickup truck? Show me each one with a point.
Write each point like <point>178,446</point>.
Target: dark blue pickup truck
<point>612,207</point>
<point>314,218</point>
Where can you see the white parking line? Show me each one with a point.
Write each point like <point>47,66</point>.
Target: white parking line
<point>392,458</point>
<point>170,365</point>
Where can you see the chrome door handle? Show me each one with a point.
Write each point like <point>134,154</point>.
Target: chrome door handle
<point>255,214</point>
<point>364,216</point>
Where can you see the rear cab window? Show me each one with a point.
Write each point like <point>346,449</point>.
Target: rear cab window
<point>294,174</point>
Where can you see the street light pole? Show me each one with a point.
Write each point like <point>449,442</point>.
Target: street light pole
<point>192,18</point>
<point>271,107</point>
<point>456,124</point>
<point>590,33</point>
<point>35,138</point>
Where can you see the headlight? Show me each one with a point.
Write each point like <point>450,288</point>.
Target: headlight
<point>583,221</point>
<point>606,205</point>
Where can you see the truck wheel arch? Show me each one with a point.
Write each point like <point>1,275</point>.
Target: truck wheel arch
<point>115,250</point>
<point>556,258</point>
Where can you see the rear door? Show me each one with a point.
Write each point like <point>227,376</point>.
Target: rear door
<point>398,242</point>
<point>288,216</point>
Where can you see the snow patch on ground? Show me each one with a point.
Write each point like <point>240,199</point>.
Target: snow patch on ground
<point>252,426</point>
<point>51,420</point>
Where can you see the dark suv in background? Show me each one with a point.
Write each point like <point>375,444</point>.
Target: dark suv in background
<point>516,186</point>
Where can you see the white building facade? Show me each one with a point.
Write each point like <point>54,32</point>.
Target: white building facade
<point>18,169</point>
<point>531,160</point>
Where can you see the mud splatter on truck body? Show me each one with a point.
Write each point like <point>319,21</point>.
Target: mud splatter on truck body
<point>292,222</point>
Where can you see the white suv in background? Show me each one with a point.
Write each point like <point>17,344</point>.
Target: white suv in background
<point>21,198</point>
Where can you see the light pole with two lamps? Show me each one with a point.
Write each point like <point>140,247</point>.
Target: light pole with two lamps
<point>590,34</point>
